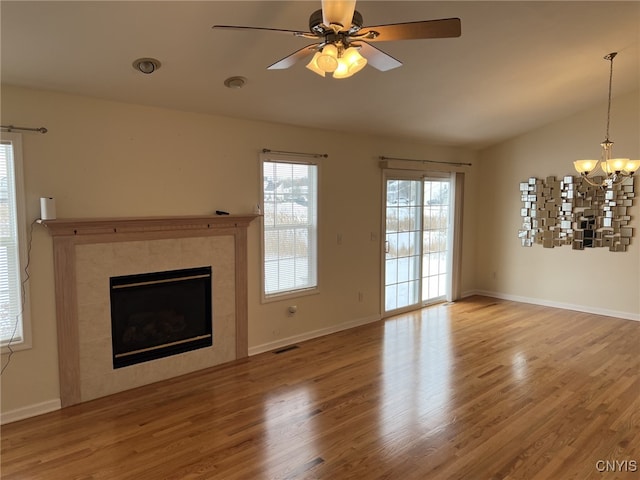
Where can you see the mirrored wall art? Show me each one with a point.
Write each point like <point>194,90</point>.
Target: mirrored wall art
<point>571,212</point>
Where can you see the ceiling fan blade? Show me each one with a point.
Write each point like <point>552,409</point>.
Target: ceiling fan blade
<point>296,33</point>
<point>292,59</point>
<point>338,12</point>
<point>444,28</point>
<point>377,58</point>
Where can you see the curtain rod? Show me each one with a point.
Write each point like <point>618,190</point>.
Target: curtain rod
<point>282,152</point>
<point>458,164</point>
<point>10,128</point>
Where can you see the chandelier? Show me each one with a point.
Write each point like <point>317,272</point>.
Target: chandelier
<point>607,171</point>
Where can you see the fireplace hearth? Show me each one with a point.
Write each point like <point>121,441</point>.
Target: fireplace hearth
<point>155,315</point>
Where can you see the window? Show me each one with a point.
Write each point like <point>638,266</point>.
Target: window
<point>14,327</point>
<point>290,200</point>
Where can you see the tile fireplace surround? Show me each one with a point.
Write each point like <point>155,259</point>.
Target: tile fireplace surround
<point>87,252</point>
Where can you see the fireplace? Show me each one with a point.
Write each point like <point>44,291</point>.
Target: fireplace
<point>155,315</point>
<point>89,252</point>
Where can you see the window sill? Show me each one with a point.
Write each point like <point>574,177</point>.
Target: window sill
<point>15,347</point>
<point>290,295</point>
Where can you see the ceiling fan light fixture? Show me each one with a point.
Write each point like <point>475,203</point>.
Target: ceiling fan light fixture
<point>328,60</point>
<point>313,65</point>
<point>338,13</point>
<point>355,61</point>
<point>350,63</point>
<point>343,69</point>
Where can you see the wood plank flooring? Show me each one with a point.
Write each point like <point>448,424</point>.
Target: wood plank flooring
<point>479,389</point>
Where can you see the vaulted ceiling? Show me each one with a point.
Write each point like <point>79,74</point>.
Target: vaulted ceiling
<point>517,65</point>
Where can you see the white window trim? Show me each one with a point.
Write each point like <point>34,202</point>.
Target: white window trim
<point>16,142</point>
<point>264,298</point>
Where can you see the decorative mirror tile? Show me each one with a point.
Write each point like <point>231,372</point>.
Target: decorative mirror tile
<point>572,212</point>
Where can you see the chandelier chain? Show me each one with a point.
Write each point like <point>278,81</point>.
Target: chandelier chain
<point>609,57</point>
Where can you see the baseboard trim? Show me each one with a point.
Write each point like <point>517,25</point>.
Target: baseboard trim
<point>30,411</point>
<point>549,303</point>
<point>267,347</point>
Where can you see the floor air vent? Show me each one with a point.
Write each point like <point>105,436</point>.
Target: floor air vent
<point>286,349</point>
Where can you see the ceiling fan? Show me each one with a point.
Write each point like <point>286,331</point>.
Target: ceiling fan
<point>343,44</point>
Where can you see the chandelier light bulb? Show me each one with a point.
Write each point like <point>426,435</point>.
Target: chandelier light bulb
<point>585,166</point>
<point>617,164</point>
<point>632,166</point>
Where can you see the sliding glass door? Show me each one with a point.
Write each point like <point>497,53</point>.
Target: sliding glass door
<point>417,253</point>
<point>402,243</point>
<point>436,239</point>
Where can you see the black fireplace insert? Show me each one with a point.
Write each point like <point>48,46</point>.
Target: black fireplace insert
<point>154,315</point>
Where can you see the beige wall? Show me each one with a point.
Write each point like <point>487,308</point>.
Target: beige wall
<point>104,159</point>
<point>107,159</point>
<point>595,279</point>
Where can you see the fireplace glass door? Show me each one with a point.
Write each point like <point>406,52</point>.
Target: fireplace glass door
<point>159,314</point>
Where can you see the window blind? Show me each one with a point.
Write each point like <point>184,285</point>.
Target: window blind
<point>290,200</point>
<point>11,328</point>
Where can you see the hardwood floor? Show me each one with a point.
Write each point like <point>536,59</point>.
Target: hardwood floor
<point>479,389</point>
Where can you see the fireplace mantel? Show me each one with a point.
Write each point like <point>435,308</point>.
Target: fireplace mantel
<point>109,226</point>
<point>71,234</point>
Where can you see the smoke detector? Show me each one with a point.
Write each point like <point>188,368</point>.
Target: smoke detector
<point>235,82</point>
